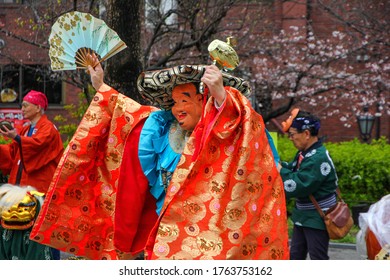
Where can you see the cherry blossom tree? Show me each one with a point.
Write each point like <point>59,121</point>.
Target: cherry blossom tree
<point>332,74</point>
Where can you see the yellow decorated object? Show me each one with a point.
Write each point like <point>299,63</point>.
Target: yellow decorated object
<point>18,206</point>
<point>8,95</point>
<point>223,54</point>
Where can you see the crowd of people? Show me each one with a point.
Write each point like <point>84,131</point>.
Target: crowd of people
<point>194,177</point>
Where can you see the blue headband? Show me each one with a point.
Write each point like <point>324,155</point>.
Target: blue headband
<point>303,123</point>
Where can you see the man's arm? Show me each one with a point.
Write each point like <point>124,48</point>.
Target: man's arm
<point>212,77</point>
<point>97,75</point>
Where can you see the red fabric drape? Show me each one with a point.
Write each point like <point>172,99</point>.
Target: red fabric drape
<point>78,213</point>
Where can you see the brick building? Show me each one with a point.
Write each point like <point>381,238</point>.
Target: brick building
<point>23,65</point>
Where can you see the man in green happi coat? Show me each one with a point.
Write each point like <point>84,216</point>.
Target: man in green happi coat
<point>311,172</point>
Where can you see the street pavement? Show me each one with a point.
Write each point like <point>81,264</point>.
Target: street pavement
<point>344,251</point>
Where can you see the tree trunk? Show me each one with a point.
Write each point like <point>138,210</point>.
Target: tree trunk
<point>123,16</point>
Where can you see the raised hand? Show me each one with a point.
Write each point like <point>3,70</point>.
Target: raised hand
<point>96,73</point>
<point>212,78</point>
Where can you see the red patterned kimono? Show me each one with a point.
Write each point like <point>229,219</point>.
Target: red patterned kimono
<point>226,198</point>
<point>41,153</point>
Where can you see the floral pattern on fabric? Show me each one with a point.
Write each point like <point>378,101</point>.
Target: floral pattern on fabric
<point>77,215</point>
<point>229,202</point>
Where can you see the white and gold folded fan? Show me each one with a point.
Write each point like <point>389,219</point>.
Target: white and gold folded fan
<point>75,35</point>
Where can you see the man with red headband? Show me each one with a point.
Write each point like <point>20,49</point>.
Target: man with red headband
<point>30,160</point>
<point>35,151</point>
<point>311,172</point>
<point>194,180</point>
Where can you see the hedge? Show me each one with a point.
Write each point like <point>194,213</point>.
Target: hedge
<point>363,169</point>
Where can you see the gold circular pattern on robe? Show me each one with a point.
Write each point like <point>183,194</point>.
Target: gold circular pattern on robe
<point>264,222</point>
<point>185,254</point>
<point>113,159</point>
<point>245,250</point>
<point>194,209</point>
<point>213,151</point>
<point>105,204</point>
<point>274,252</point>
<point>217,185</point>
<point>209,243</point>
<point>69,166</point>
<point>229,150</point>
<point>190,245</point>
<point>243,155</point>
<point>168,233</point>
<point>83,225</point>
<point>77,194</point>
<point>215,223</point>
<point>234,215</point>
<point>254,185</point>
<point>61,237</point>
<point>201,191</point>
<point>93,117</point>
<point>240,191</point>
<point>94,245</point>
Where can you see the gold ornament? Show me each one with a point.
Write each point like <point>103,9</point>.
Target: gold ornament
<point>223,54</point>
<point>20,215</point>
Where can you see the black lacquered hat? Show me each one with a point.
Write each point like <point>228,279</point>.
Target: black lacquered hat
<point>156,86</point>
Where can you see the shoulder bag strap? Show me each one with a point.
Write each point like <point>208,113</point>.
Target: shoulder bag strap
<point>317,206</point>
<point>339,194</point>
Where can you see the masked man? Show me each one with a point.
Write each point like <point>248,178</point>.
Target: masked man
<point>196,180</point>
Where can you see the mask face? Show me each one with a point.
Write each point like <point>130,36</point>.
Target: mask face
<point>187,108</point>
<point>21,215</point>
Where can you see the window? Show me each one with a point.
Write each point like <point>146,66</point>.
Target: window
<point>11,1</point>
<point>154,9</point>
<point>16,81</point>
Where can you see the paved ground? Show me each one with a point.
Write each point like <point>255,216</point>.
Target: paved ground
<point>342,251</point>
